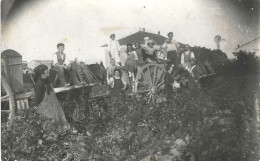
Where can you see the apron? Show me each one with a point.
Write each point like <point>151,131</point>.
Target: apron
<point>131,62</point>
<point>50,107</point>
<point>117,89</point>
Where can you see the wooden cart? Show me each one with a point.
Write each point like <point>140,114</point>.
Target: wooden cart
<point>150,79</point>
<point>13,96</point>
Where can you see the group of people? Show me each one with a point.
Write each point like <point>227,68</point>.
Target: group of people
<point>47,103</point>
<point>137,56</point>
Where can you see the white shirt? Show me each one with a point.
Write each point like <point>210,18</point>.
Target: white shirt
<point>172,46</point>
<point>113,46</point>
<point>186,53</point>
<point>55,59</point>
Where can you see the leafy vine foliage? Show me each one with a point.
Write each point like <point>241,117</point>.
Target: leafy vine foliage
<point>216,124</point>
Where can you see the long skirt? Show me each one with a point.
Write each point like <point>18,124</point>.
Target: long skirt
<point>131,65</point>
<point>51,108</point>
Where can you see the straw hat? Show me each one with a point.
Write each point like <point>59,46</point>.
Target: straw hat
<point>151,42</point>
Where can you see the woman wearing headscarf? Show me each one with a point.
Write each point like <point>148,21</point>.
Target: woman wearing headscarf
<point>46,102</point>
<point>131,60</point>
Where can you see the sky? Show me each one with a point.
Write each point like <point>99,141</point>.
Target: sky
<point>33,28</point>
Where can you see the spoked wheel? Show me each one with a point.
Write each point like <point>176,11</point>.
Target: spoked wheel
<point>7,98</point>
<point>150,81</point>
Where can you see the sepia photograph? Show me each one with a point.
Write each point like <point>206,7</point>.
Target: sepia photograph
<point>139,80</point>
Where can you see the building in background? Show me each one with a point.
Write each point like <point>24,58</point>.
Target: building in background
<point>35,63</point>
<point>136,37</point>
<point>251,46</point>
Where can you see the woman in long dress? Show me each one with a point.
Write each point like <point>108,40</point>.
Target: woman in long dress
<point>46,101</point>
<point>131,60</point>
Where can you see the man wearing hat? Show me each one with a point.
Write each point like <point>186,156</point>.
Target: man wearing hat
<point>60,64</point>
<point>150,54</point>
<point>171,47</point>
<point>114,49</point>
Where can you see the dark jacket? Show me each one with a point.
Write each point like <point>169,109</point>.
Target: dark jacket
<point>168,79</point>
<point>141,54</point>
<point>40,88</point>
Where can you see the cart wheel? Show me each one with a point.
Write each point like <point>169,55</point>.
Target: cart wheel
<point>10,98</point>
<point>150,80</point>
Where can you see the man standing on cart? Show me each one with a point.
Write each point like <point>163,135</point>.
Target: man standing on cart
<point>114,49</point>
<point>171,46</point>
